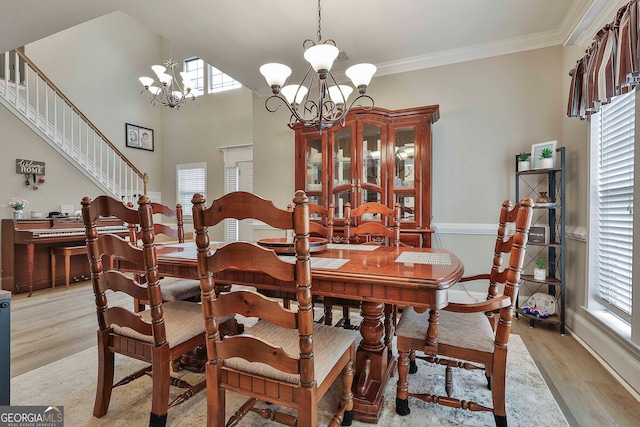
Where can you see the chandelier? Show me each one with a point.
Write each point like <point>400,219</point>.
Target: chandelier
<point>167,91</point>
<point>331,105</point>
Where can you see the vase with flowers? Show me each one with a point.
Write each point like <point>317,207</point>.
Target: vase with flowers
<point>17,205</point>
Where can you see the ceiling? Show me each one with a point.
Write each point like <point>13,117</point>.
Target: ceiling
<point>237,36</point>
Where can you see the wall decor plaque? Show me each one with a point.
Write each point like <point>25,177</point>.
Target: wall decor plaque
<point>32,167</point>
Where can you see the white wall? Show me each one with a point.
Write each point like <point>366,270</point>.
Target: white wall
<point>97,65</point>
<point>20,142</point>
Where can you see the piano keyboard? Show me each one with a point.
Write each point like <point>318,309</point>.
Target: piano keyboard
<point>77,231</point>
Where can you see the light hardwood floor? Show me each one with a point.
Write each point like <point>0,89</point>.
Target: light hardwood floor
<point>53,324</point>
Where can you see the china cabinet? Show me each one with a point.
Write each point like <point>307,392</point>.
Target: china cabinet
<point>379,156</point>
<point>546,238</point>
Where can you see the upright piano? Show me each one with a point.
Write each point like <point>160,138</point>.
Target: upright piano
<point>26,263</point>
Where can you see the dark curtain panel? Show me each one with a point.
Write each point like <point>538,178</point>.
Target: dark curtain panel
<point>610,66</point>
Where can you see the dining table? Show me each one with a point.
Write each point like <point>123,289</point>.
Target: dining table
<point>378,276</point>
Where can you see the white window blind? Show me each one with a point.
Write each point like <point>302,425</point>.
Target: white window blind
<point>192,178</point>
<point>232,231</point>
<point>611,213</point>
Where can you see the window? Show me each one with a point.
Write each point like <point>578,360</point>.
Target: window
<point>611,207</point>
<point>192,178</point>
<point>215,80</point>
<point>219,81</point>
<point>195,68</point>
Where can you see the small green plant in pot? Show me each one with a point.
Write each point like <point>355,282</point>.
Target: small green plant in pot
<point>539,272</point>
<point>546,153</point>
<point>523,162</point>
<point>546,158</point>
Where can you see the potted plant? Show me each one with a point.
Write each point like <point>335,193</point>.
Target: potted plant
<point>546,158</point>
<point>523,162</point>
<point>17,205</point>
<point>539,272</point>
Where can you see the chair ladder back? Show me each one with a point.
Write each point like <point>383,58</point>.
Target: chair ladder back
<point>243,205</point>
<point>159,228</point>
<point>253,304</point>
<point>243,255</point>
<point>176,214</point>
<point>323,227</point>
<point>497,275</point>
<point>388,226</point>
<point>249,257</point>
<point>256,350</point>
<point>102,279</point>
<point>523,212</point>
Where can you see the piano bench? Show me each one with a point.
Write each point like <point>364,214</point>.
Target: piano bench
<point>67,252</point>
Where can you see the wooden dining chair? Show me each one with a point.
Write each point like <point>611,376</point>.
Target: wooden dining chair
<point>369,223</point>
<point>159,335</point>
<point>321,221</point>
<point>284,358</point>
<point>320,225</point>
<point>373,222</point>
<point>468,335</point>
<point>172,288</point>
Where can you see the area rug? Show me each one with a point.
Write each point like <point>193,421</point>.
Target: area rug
<point>71,383</point>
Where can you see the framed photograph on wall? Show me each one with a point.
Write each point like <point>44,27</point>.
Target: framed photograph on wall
<point>536,151</point>
<point>139,137</point>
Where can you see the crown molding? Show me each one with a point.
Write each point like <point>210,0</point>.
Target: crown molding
<point>471,53</point>
<point>453,56</point>
<point>595,15</point>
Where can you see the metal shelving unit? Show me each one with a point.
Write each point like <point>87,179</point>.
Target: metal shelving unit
<point>529,184</point>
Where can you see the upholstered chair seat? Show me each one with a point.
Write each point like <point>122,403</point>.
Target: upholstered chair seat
<point>329,344</point>
<point>182,319</point>
<point>465,330</point>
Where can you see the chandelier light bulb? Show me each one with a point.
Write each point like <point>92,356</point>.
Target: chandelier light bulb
<point>146,81</point>
<point>340,94</point>
<point>361,74</point>
<point>321,56</point>
<point>165,79</point>
<point>158,69</point>
<point>275,74</point>
<point>289,92</point>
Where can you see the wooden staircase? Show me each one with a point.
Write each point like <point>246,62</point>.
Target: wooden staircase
<point>35,100</point>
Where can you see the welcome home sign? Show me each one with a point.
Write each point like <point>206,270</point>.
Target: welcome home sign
<point>26,167</point>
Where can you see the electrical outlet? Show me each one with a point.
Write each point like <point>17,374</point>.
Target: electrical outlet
<point>66,209</point>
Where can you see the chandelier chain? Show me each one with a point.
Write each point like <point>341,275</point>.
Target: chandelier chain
<point>319,18</point>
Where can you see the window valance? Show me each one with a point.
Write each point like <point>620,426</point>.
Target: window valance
<point>610,66</point>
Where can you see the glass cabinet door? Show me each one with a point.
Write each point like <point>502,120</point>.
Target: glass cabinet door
<point>404,176</point>
<point>370,178</point>
<point>313,160</point>
<point>342,171</point>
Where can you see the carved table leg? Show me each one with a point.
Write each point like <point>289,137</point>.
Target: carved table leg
<point>374,365</point>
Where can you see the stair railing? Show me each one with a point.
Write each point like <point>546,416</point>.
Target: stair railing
<point>28,93</point>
